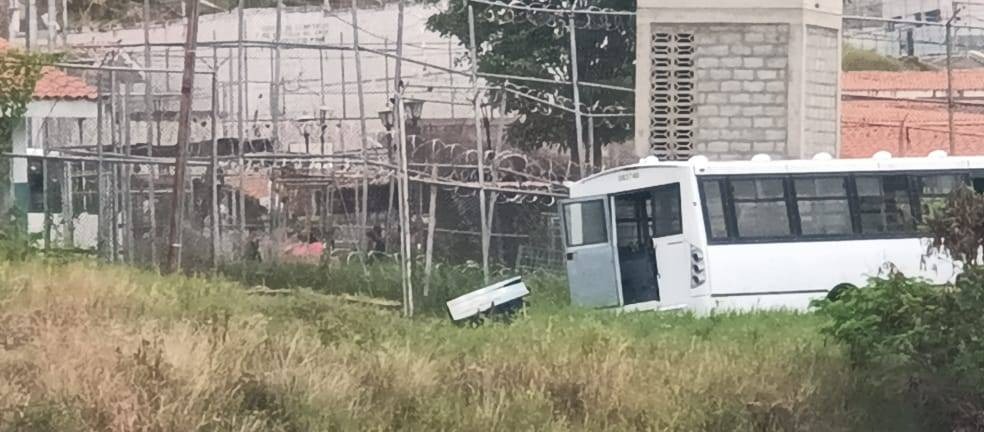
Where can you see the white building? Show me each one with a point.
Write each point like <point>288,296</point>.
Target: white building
<point>61,105</point>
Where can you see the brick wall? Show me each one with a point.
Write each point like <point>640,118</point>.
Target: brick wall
<point>822,69</point>
<point>741,75</point>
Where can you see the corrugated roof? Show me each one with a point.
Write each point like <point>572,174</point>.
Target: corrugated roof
<point>911,80</point>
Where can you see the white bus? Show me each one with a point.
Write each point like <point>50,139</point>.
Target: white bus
<point>757,234</point>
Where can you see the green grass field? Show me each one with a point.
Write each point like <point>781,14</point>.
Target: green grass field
<point>89,347</point>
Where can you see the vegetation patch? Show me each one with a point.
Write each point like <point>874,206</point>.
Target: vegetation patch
<point>99,347</point>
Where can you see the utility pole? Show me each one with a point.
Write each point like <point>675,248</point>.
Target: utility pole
<point>184,132</point>
<point>949,79</point>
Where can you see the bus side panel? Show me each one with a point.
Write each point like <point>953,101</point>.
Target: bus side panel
<point>771,275</point>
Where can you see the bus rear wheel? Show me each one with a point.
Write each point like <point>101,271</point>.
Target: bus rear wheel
<point>839,291</point>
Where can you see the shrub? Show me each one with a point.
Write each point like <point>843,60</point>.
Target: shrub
<point>919,339</point>
<point>957,225</point>
<point>15,242</point>
<point>856,59</point>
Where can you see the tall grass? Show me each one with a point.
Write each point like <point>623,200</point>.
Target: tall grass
<point>89,347</point>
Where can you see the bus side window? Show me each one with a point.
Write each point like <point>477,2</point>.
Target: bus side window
<point>760,208</point>
<point>714,206</point>
<point>933,190</point>
<point>823,206</point>
<point>884,204</point>
<point>978,183</point>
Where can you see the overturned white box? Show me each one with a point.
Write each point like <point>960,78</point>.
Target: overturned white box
<point>506,294</point>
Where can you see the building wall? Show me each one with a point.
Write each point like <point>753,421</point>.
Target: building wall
<point>820,126</point>
<point>741,89</point>
<point>719,90</point>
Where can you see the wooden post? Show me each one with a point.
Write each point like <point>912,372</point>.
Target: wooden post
<point>949,82</point>
<point>148,110</point>
<point>51,22</point>
<point>451,74</point>
<point>364,205</point>
<point>478,142</point>
<point>114,182</point>
<point>184,126</point>
<point>405,261</point>
<point>68,208</point>
<point>386,66</point>
<point>45,184</point>
<point>579,130</point>
<point>275,94</point>
<point>214,168</point>
<point>341,131</point>
<point>497,143</point>
<point>102,182</point>
<point>431,226</point>
<point>64,29</point>
<point>127,175</point>
<point>243,88</point>
<point>31,33</point>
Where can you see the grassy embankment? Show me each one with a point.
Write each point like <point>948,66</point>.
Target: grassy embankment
<point>87,347</point>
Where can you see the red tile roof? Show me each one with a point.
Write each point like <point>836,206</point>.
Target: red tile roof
<point>907,128</point>
<point>972,79</point>
<point>56,84</point>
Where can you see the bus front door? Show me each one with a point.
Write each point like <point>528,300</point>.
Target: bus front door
<point>591,262</point>
<point>636,252</point>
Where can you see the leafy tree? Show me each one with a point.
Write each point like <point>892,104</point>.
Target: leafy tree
<point>19,72</point>
<point>518,47</point>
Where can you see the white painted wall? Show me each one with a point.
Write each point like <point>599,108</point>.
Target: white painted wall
<point>86,229</point>
<point>301,68</point>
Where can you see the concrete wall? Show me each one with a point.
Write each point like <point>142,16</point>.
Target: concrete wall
<point>821,125</point>
<point>741,88</point>
<point>754,65</point>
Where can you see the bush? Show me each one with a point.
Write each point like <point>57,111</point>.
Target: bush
<point>15,242</point>
<point>923,340</point>
<point>856,59</point>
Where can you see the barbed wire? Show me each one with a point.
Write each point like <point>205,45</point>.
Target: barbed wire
<point>556,16</point>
